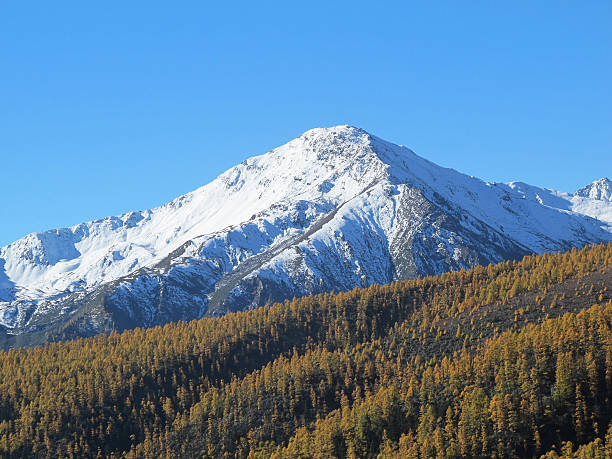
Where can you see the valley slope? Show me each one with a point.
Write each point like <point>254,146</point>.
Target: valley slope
<point>508,360</point>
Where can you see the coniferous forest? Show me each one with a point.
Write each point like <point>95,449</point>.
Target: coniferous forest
<point>507,360</point>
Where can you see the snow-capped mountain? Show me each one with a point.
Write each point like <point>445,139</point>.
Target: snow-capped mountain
<point>333,209</point>
<point>599,190</point>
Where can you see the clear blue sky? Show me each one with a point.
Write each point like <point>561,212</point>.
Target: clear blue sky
<point>125,105</point>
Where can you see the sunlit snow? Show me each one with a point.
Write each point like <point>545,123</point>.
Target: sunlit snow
<point>365,186</point>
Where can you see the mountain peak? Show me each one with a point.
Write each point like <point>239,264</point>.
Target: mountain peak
<point>339,130</point>
<point>328,137</point>
<point>600,189</point>
<point>324,148</point>
<point>346,143</point>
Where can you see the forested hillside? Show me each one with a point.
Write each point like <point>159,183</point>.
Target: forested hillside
<point>510,360</point>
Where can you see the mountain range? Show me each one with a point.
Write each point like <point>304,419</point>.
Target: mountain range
<point>333,209</point>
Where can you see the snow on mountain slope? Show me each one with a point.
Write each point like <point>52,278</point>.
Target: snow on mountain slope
<point>595,200</point>
<point>600,190</point>
<point>91,253</point>
<point>333,209</point>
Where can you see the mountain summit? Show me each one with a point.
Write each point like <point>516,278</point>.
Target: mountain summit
<point>332,209</point>
<point>600,189</point>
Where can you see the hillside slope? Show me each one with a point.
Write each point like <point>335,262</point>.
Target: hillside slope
<point>508,360</point>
